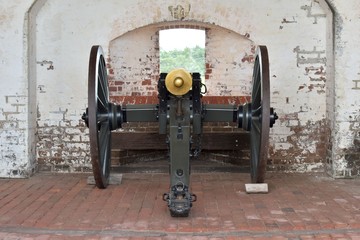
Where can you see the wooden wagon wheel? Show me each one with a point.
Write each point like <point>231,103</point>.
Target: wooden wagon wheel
<point>260,116</point>
<point>98,117</point>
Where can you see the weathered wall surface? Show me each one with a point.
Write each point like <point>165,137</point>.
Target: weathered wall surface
<point>314,73</point>
<point>134,63</point>
<point>229,62</point>
<point>298,64</point>
<point>344,160</point>
<point>17,156</point>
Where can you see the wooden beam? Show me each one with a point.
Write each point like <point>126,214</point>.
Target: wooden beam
<point>155,141</point>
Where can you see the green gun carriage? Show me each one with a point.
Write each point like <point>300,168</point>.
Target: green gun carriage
<point>180,114</point>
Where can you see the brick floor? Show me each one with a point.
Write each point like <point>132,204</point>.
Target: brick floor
<point>63,206</point>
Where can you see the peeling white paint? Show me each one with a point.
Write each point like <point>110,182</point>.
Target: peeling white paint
<point>302,168</point>
<point>298,36</point>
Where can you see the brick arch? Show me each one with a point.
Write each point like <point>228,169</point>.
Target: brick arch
<point>133,77</point>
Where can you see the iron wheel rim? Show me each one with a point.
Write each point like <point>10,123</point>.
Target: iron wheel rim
<point>260,116</point>
<point>99,126</point>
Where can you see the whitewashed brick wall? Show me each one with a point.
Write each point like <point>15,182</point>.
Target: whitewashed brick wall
<point>314,63</point>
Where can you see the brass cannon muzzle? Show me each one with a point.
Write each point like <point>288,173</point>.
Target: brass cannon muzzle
<point>178,82</point>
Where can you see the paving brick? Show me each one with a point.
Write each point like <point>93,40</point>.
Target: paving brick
<point>135,210</point>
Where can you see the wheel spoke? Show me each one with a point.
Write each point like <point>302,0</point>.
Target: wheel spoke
<point>257,111</point>
<point>255,124</point>
<point>102,106</point>
<point>256,79</point>
<point>254,157</point>
<point>254,151</point>
<point>257,97</point>
<point>102,92</point>
<point>257,93</point>
<point>104,146</point>
<point>103,79</point>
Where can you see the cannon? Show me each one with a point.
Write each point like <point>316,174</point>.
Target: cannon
<point>180,114</point>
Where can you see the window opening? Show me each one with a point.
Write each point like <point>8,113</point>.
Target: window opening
<point>182,48</point>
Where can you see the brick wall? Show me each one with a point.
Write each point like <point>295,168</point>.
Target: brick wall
<point>13,127</point>
<point>229,62</point>
<point>63,144</point>
<point>298,144</point>
<point>298,90</point>
<point>17,158</point>
<point>134,63</point>
<point>313,62</point>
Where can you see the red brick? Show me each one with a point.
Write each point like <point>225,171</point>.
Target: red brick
<point>113,88</point>
<point>65,202</point>
<point>146,82</point>
<point>117,83</point>
<point>136,94</point>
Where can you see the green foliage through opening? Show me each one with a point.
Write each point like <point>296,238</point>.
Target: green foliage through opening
<point>191,59</point>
